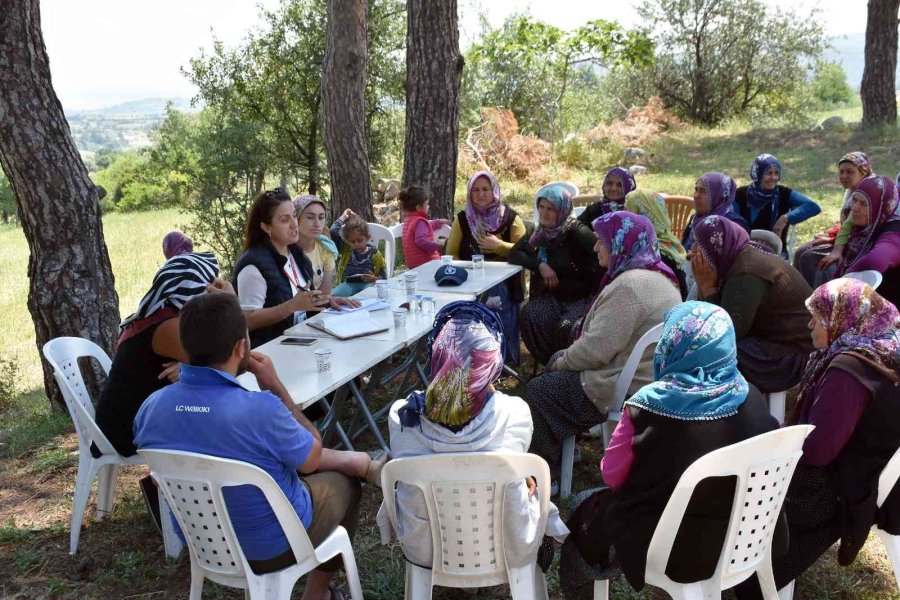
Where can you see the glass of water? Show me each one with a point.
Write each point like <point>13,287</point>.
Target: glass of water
<point>478,262</point>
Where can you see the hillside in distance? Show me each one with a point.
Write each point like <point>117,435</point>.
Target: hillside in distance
<point>122,126</point>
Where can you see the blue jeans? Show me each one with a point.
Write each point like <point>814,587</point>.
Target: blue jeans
<point>349,289</point>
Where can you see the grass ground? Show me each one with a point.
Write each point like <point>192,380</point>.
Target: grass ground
<point>122,556</point>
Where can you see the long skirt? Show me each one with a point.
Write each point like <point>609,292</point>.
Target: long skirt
<point>806,260</point>
<point>498,298</point>
<point>559,409</point>
<point>548,325</point>
<point>765,372</point>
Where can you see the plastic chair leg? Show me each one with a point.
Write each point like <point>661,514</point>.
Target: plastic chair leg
<point>787,592</point>
<point>766,579</point>
<point>776,405</point>
<point>418,583</point>
<point>608,428</point>
<point>83,481</point>
<point>565,471</point>
<point>522,582</point>
<point>352,573</point>
<point>106,490</point>
<point>892,544</point>
<point>601,589</point>
<point>196,582</point>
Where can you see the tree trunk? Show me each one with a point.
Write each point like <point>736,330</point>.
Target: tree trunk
<point>312,156</point>
<point>433,73</point>
<point>71,285</point>
<point>344,106</point>
<point>878,90</point>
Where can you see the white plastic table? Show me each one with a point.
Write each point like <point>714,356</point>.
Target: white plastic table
<point>477,283</point>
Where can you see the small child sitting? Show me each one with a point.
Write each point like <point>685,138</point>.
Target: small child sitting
<point>359,264</point>
<point>419,245</point>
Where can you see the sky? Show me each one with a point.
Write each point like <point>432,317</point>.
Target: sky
<point>103,52</point>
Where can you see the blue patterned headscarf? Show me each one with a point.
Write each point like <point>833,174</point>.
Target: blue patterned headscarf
<point>757,197</point>
<point>694,367</point>
<point>561,199</point>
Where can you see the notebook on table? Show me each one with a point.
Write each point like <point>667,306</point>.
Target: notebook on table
<point>348,326</point>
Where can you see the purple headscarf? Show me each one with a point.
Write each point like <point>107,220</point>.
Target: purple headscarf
<point>720,240</point>
<point>757,197</point>
<point>628,184</point>
<point>490,216</point>
<point>176,243</point>
<point>632,244</point>
<point>720,192</point>
<point>880,194</point>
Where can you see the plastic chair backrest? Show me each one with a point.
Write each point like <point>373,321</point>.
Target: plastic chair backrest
<point>396,230</point>
<point>631,365</point>
<point>464,495</point>
<point>63,353</point>
<point>888,478</point>
<point>680,214</point>
<point>578,210</point>
<point>873,278</point>
<point>582,202</point>
<point>380,233</point>
<point>442,232</point>
<point>763,466</point>
<point>768,238</point>
<point>192,484</point>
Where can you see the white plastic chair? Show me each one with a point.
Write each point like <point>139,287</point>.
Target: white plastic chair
<point>396,231</point>
<point>464,494</point>
<point>873,278</point>
<point>380,233</point>
<point>615,413</point>
<point>764,236</point>
<point>193,484</point>
<point>763,466</point>
<point>578,210</point>
<point>63,353</point>
<point>442,232</point>
<point>776,401</point>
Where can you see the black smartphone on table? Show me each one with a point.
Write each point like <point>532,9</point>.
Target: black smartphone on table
<point>298,341</point>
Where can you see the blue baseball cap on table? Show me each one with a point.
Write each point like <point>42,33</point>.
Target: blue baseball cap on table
<point>450,275</point>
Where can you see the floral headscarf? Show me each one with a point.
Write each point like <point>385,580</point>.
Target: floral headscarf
<point>720,191</point>
<point>694,367</point>
<point>858,321</point>
<point>632,244</point>
<point>860,160</point>
<point>757,197</point>
<point>490,216</point>
<point>561,199</point>
<point>628,184</point>
<point>720,240</point>
<point>653,206</point>
<point>880,194</point>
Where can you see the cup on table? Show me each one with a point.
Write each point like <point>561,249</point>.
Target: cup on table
<point>381,286</point>
<point>428,306</point>
<point>412,282</point>
<point>323,359</point>
<point>415,303</point>
<point>478,262</point>
<point>399,317</point>
<point>446,259</point>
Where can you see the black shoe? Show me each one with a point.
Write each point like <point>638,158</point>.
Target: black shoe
<point>151,501</point>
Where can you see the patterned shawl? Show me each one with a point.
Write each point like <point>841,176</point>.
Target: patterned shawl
<point>652,206</point>
<point>757,197</point>
<point>632,244</point>
<point>628,184</point>
<point>880,194</point>
<point>857,320</point>
<point>561,199</point>
<point>720,240</point>
<point>489,217</point>
<point>181,278</point>
<point>720,192</point>
<point>694,366</point>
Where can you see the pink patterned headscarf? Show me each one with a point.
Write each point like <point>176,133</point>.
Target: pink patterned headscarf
<point>490,216</point>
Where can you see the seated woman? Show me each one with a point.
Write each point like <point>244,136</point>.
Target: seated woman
<point>490,227</point>
<point>564,273</point>
<point>273,278</point>
<point>653,206</point>
<point>874,242</point>
<point>462,412</point>
<point>149,349</point>
<point>617,184</point>
<point>698,403</point>
<point>766,204</point>
<point>315,243</point>
<point>764,296</point>
<point>817,259</point>
<point>637,290</point>
<point>713,195</point>
<point>850,392</point>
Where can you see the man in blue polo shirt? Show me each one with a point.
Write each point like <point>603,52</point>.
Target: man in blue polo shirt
<point>210,413</point>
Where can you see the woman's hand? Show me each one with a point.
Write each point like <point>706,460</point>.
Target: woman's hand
<point>532,486</point>
<point>556,365</point>
<point>369,277</point>
<point>489,241</point>
<point>220,286</point>
<point>831,258</point>
<point>704,274</point>
<point>308,301</point>
<point>172,371</point>
<point>447,222</point>
<point>780,224</point>
<point>337,303</point>
<point>548,275</point>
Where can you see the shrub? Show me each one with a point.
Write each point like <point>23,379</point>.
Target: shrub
<point>10,374</point>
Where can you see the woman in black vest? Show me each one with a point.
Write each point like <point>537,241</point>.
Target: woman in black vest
<point>489,227</point>
<point>851,393</point>
<point>699,403</point>
<point>766,204</point>
<point>273,278</point>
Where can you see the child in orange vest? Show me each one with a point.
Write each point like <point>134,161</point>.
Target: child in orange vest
<point>419,245</point>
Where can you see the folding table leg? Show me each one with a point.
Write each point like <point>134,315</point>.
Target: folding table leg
<point>367,415</point>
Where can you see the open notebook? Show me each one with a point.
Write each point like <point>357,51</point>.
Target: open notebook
<point>348,326</point>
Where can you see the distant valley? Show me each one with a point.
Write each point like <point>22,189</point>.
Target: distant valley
<point>122,126</point>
